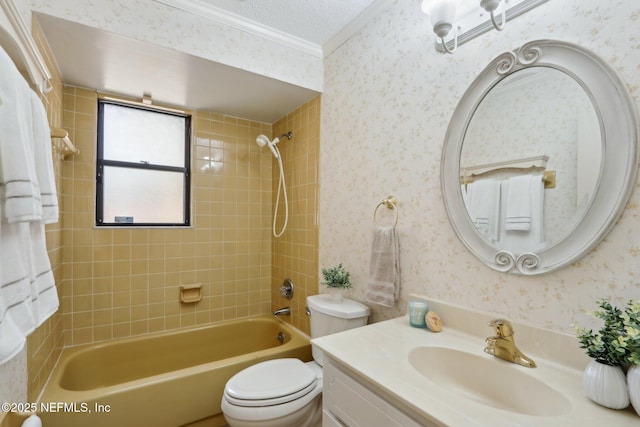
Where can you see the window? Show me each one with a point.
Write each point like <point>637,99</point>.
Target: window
<point>142,173</point>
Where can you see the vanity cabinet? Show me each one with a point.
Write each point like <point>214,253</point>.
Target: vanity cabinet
<point>347,402</point>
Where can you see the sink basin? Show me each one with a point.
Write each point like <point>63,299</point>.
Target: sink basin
<point>489,381</point>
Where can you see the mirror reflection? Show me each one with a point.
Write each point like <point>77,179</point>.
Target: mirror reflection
<point>535,125</point>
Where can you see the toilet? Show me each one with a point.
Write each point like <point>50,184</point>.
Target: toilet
<point>288,392</point>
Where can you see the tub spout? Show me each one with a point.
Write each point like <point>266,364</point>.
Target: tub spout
<point>280,312</point>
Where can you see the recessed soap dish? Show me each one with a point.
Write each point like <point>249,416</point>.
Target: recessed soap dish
<point>190,293</point>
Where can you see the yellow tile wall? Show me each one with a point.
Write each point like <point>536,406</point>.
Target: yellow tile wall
<point>125,281</point>
<point>45,343</point>
<point>117,283</point>
<point>295,253</point>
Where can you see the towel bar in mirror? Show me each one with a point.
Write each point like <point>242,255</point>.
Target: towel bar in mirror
<point>502,116</point>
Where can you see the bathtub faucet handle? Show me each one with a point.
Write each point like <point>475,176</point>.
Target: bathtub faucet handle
<point>286,290</point>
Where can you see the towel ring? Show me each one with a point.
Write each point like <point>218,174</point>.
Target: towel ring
<point>391,203</point>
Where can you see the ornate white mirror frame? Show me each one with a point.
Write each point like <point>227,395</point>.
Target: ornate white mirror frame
<point>618,123</point>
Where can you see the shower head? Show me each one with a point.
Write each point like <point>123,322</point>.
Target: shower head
<point>262,140</point>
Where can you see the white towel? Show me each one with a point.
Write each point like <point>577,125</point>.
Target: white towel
<point>12,340</point>
<point>28,295</point>
<point>384,271</point>
<point>15,300</point>
<point>17,318</point>
<point>483,205</point>
<point>19,190</point>
<point>520,191</point>
<point>526,240</point>
<point>41,146</point>
<point>44,296</point>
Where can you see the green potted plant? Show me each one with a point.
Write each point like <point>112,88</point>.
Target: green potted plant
<point>631,321</point>
<point>615,349</point>
<point>336,279</point>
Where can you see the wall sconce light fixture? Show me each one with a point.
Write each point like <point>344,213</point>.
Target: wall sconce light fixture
<point>443,15</point>
<point>491,6</point>
<point>455,22</point>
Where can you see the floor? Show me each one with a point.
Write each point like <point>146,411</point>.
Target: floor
<point>215,421</point>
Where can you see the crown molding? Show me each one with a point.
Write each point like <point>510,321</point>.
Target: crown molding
<point>375,9</point>
<point>16,38</point>
<point>224,17</point>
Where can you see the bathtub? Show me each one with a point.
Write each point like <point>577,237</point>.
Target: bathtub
<point>166,379</point>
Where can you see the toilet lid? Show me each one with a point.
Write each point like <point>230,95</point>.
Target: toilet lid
<point>270,383</point>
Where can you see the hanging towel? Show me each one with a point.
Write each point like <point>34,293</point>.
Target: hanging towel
<point>519,240</point>
<point>384,271</point>
<point>11,339</point>
<point>41,147</point>
<point>19,190</point>
<point>44,296</point>
<point>483,205</point>
<point>17,318</point>
<point>28,294</point>
<point>520,191</point>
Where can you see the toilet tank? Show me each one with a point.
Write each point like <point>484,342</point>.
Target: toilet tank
<point>329,317</point>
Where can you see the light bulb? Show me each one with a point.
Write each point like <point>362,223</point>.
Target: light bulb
<point>443,15</point>
<point>489,5</point>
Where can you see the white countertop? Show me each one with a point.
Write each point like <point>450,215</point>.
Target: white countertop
<point>379,355</point>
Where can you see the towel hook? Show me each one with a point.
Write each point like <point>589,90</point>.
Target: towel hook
<point>391,203</point>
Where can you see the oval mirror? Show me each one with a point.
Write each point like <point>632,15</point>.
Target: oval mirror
<point>540,157</point>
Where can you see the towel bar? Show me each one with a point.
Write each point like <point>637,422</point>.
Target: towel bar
<point>548,177</point>
<point>391,203</point>
<point>67,145</point>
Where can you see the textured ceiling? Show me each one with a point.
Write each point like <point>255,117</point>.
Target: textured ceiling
<point>316,21</point>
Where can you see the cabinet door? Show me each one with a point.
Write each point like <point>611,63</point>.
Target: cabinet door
<point>328,420</point>
<point>350,404</point>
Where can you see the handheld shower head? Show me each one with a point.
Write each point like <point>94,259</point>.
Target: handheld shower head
<point>262,140</point>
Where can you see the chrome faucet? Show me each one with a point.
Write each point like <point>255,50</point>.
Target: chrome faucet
<point>280,312</point>
<point>502,345</point>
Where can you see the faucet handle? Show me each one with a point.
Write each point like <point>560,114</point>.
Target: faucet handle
<point>502,327</point>
<point>286,290</point>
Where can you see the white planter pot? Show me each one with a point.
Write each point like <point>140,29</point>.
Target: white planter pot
<point>336,294</point>
<point>606,385</point>
<point>633,383</point>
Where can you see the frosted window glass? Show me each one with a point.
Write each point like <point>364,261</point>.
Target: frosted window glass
<point>148,196</point>
<point>135,135</point>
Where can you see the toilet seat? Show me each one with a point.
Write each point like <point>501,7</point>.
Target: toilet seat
<point>270,383</point>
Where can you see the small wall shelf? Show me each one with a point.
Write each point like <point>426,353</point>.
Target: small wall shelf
<point>190,294</point>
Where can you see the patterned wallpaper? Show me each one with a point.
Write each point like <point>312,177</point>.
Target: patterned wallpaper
<point>388,97</point>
